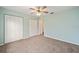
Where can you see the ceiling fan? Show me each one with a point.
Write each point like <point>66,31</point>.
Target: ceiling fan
<point>40,10</point>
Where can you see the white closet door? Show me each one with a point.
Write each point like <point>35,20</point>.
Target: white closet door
<point>13,28</point>
<point>33,28</point>
<point>41,26</point>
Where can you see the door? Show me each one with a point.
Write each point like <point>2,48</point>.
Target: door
<point>33,27</point>
<point>41,25</point>
<point>13,28</point>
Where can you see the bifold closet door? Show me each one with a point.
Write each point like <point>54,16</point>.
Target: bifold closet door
<point>13,28</point>
<point>33,28</point>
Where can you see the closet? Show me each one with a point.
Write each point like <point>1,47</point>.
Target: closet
<point>13,28</point>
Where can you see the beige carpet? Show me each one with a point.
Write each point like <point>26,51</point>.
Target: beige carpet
<point>39,44</point>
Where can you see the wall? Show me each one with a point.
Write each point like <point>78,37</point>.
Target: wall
<point>2,23</point>
<point>63,26</point>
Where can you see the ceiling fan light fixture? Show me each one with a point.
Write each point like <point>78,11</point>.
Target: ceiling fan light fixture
<point>38,14</point>
<point>39,10</point>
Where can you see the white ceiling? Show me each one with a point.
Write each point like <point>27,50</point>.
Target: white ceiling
<point>26,10</point>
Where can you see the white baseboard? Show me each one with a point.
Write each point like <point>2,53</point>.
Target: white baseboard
<point>60,39</point>
<point>26,37</point>
<point>1,44</point>
<point>33,35</point>
<point>17,40</point>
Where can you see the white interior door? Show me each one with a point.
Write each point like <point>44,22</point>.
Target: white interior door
<point>13,28</point>
<point>33,27</point>
<point>41,25</point>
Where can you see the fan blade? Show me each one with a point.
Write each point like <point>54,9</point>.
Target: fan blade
<point>32,9</point>
<point>44,7</point>
<point>51,12</point>
<point>45,11</point>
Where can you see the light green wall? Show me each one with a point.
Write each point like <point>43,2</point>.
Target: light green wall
<point>63,25</point>
<point>2,24</point>
<point>1,28</point>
